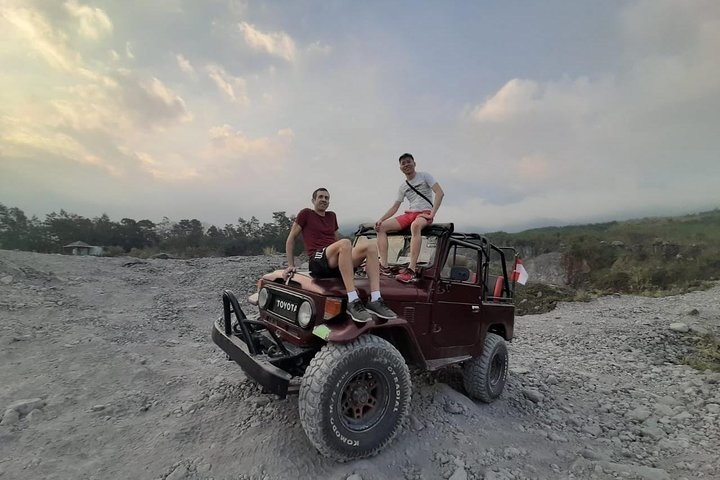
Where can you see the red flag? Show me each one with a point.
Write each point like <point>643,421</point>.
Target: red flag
<point>519,274</point>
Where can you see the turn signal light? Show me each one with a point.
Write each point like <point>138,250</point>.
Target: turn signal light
<point>333,308</point>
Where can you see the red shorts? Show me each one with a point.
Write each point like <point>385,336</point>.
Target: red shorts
<point>408,217</point>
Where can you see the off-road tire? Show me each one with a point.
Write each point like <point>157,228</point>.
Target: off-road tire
<point>354,397</point>
<point>484,376</point>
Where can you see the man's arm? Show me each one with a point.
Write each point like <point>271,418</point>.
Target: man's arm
<point>439,194</point>
<point>391,211</point>
<point>290,247</point>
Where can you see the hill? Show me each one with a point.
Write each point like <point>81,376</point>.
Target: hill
<point>649,255</point>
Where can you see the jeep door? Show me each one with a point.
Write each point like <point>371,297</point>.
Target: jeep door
<point>456,307</point>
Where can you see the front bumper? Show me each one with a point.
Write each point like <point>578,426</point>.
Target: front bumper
<point>257,366</point>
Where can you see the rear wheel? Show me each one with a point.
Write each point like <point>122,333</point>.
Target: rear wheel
<point>354,397</point>
<point>484,376</point>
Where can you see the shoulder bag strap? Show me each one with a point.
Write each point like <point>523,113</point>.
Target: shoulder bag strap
<point>418,192</point>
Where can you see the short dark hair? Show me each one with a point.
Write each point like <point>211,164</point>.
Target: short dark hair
<point>406,155</point>
<point>321,189</point>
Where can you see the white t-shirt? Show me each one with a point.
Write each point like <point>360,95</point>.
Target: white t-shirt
<point>423,182</point>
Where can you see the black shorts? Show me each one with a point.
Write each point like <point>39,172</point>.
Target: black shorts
<point>319,267</point>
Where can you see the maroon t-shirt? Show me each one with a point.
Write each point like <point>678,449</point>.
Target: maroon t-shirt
<point>318,231</point>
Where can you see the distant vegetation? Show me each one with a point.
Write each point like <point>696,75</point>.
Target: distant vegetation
<point>649,256</point>
<point>653,255</point>
<point>143,238</point>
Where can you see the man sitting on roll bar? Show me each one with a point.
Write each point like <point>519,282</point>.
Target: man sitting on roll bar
<point>331,257</point>
<point>418,188</point>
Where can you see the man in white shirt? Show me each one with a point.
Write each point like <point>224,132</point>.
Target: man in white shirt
<point>418,188</point>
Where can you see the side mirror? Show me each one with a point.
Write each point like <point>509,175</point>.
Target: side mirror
<point>460,274</point>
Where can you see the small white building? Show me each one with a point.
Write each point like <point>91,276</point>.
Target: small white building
<point>82,248</point>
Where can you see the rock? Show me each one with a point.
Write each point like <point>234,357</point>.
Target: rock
<point>35,416</point>
<point>646,473</point>
<point>6,280</point>
<point>551,380</point>
<point>533,395</point>
<point>640,414</point>
<point>684,415</point>
<point>97,408</point>
<point>556,437</point>
<point>11,417</point>
<point>259,401</point>
<point>416,424</point>
<point>178,474</point>
<point>694,312</point>
<point>679,327</point>
<point>712,408</point>
<point>23,407</point>
<point>594,430</point>
<point>459,474</point>
<point>593,455</point>
<point>453,407</point>
<point>354,476</point>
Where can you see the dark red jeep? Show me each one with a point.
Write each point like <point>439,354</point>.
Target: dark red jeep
<point>353,379</point>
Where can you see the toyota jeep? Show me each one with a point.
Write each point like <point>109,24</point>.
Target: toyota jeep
<point>352,379</point>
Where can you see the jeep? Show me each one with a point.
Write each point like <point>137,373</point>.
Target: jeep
<point>353,379</point>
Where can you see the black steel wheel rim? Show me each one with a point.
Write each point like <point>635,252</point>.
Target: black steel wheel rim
<point>363,401</point>
<point>497,367</point>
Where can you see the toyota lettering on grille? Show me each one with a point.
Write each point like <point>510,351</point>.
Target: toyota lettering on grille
<point>286,305</point>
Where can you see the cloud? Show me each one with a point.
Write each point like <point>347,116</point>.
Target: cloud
<point>185,64</point>
<point>627,135</point>
<point>21,140</point>
<point>94,22</point>
<point>149,102</point>
<point>514,98</point>
<point>233,87</point>
<point>317,48</point>
<point>278,44</point>
<point>226,142</point>
<point>42,38</point>
<point>171,169</point>
<point>120,105</point>
<point>128,51</point>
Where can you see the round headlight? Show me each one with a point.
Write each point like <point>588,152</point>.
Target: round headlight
<point>305,314</point>
<point>263,297</point>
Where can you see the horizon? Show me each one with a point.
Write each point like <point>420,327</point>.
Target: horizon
<point>526,114</point>
<point>349,227</point>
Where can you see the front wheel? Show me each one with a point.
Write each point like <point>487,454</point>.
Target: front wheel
<point>354,397</point>
<point>484,376</point>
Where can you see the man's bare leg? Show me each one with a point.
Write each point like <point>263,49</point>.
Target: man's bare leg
<point>339,255</point>
<point>389,225</point>
<point>368,250</point>
<point>416,230</point>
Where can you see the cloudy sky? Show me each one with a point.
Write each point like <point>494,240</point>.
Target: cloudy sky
<point>527,113</point>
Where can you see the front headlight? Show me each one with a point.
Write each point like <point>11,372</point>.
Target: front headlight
<point>263,296</point>
<point>305,314</point>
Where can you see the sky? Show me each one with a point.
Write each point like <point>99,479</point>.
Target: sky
<point>526,113</point>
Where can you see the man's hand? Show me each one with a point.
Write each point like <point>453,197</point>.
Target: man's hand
<point>377,225</point>
<point>288,271</point>
<point>427,216</point>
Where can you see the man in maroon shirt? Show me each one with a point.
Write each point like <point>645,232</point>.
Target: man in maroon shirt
<point>330,257</point>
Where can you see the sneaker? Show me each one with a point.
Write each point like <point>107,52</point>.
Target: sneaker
<point>386,271</point>
<point>408,276</point>
<point>358,312</point>
<point>379,308</point>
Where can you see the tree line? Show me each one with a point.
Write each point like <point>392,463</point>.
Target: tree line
<point>185,238</point>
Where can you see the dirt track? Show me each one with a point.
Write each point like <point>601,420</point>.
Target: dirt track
<point>118,353</point>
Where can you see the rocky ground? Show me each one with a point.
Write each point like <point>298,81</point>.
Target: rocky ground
<point>108,372</point>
